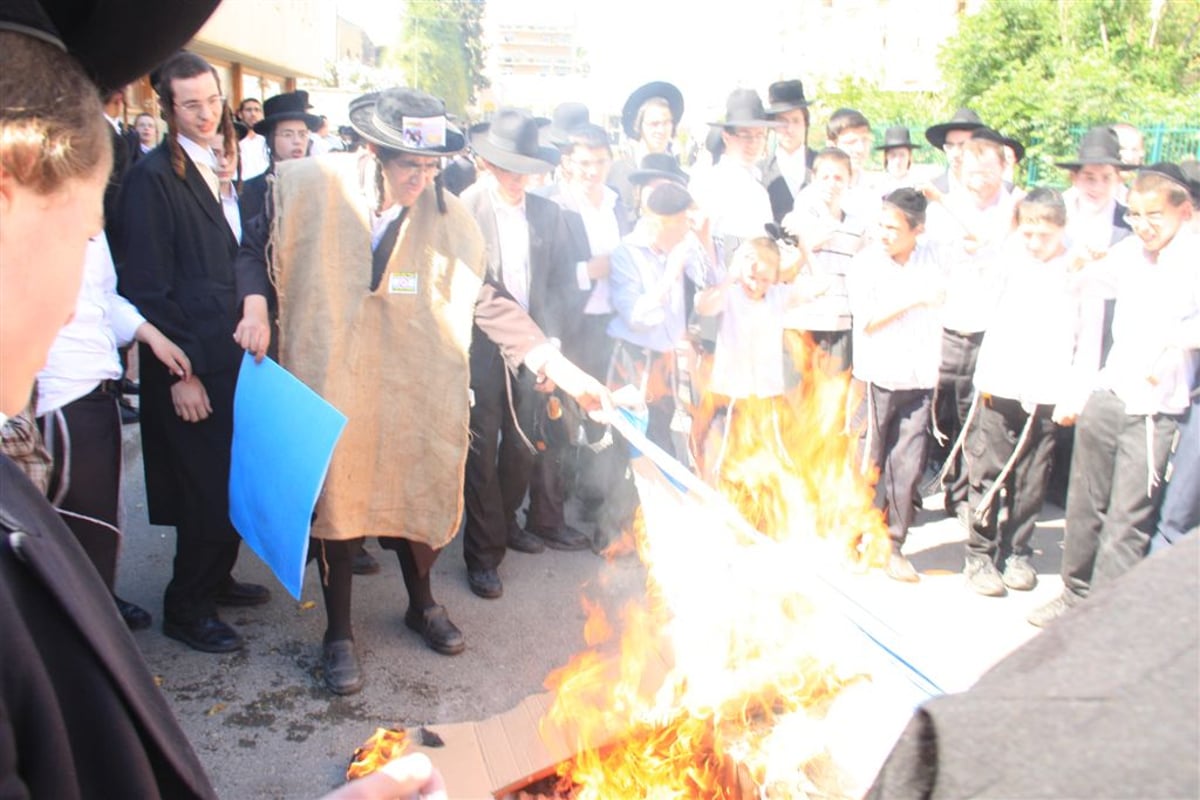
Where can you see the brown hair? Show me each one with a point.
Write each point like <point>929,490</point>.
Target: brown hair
<point>1042,204</point>
<point>180,66</point>
<point>833,154</point>
<point>978,146</point>
<point>52,126</point>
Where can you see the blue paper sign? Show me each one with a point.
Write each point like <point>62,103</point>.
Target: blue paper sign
<point>283,438</point>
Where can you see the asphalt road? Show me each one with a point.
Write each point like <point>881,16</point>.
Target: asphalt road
<point>265,727</point>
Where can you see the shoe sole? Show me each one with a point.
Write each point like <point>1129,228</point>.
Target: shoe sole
<point>342,691</point>
<point>195,644</point>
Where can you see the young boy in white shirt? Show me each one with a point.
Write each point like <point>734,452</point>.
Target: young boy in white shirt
<point>1032,364</point>
<point>1124,432</point>
<point>896,290</point>
<point>745,393</point>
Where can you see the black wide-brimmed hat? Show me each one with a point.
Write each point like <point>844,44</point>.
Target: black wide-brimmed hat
<point>406,120</point>
<point>1099,145</point>
<point>744,109</point>
<point>566,116</point>
<point>100,34</point>
<point>667,91</point>
<point>963,120</point>
<point>510,141</point>
<point>895,137</point>
<point>992,135</point>
<point>284,107</point>
<point>657,166</point>
<point>786,96</point>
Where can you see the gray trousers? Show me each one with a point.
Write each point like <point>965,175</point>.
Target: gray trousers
<point>1112,504</point>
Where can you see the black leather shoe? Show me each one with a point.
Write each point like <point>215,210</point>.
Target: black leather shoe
<point>208,635</point>
<point>436,629</point>
<point>343,675</point>
<point>564,538</point>
<point>235,593</point>
<point>136,618</point>
<point>485,583</point>
<point>364,563</point>
<point>524,542</point>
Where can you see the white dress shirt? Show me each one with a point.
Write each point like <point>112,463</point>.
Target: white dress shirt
<point>906,353</point>
<point>793,167</point>
<point>1156,324</point>
<point>748,360</point>
<point>513,229</point>
<point>85,350</point>
<point>205,163</point>
<point>255,160</point>
<point>734,198</point>
<point>603,234</point>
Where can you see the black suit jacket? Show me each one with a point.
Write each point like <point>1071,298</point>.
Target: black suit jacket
<point>80,715</point>
<point>122,160</point>
<point>253,197</point>
<point>782,200</point>
<point>179,273</point>
<point>555,300</point>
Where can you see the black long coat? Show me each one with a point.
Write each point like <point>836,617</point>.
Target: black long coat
<point>179,274</point>
<point>80,715</point>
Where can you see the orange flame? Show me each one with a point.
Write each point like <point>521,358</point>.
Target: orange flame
<point>383,746</point>
<point>720,683</point>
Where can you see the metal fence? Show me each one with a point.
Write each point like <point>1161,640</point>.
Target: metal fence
<point>1163,143</point>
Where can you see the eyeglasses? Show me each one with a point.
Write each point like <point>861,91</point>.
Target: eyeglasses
<point>293,135</point>
<point>951,146</point>
<point>756,135</point>
<point>591,163</point>
<point>406,169</point>
<point>194,107</point>
<point>1154,219</point>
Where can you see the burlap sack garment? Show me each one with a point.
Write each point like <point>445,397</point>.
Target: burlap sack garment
<point>394,361</point>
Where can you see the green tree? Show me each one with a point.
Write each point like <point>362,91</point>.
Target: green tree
<point>441,50</point>
<point>1035,69</point>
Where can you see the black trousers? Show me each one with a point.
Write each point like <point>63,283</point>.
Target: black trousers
<point>499,466</point>
<point>193,458</point>
<point>991,440</point>
<point>84,438</point>
<point>954,393</point>
<point>892,438</point>
<point>1112,502</point>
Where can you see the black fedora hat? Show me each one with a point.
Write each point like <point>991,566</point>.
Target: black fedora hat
<point>992,135</point>
<point>284,107</point>
<point>565,117</point>
<point>1099,145</point>
<point>897,136</point>
<point>510,141</point>
<point>786,96</point>
<point>98,33</point>
<point>744,109</point>
<point>963,120</point>
<point>657,166</point>
<point>667,91</point>
<point>406,120</point>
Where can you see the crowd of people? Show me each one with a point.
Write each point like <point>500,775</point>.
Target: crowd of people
<point>979,325</point>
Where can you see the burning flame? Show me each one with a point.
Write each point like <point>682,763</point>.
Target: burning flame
<point>383,746</point>
<point>726,671</point>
